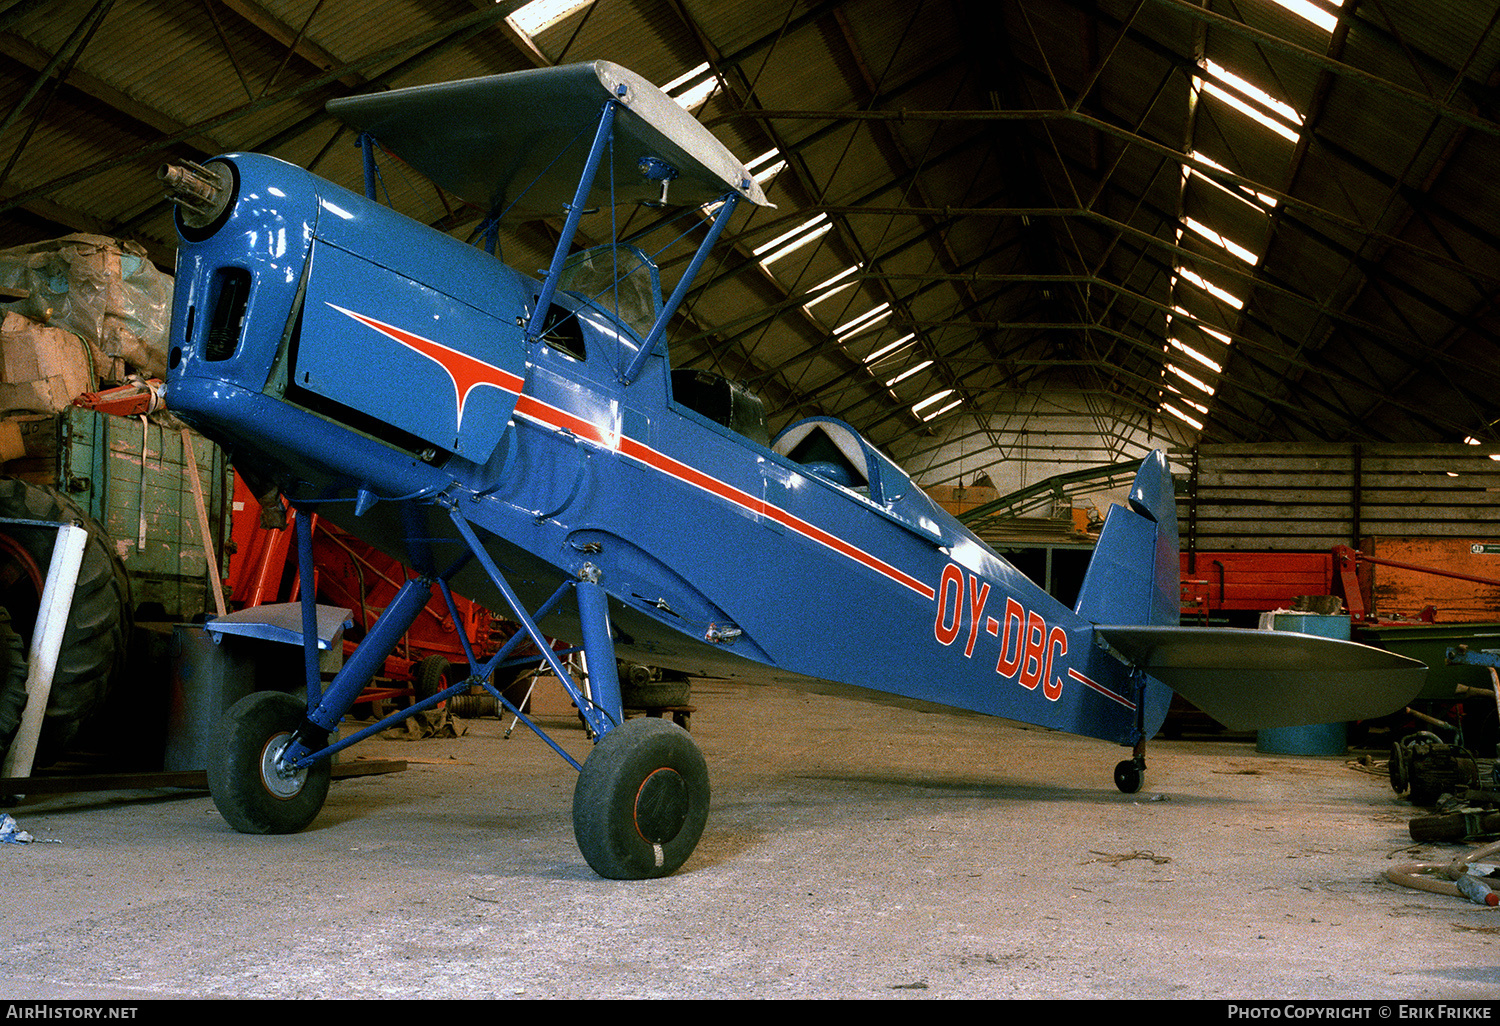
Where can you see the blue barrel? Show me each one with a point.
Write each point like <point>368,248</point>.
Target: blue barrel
<point>1320,738</point>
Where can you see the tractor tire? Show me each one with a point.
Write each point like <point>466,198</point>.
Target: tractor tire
<point>99,622</point>
<point>12,682</point>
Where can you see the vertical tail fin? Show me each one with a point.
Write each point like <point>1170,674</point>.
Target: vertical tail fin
<point>1134,576</point>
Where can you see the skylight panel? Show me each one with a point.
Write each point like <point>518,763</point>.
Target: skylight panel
<point>939,412</point>
<point>831,287</point>
<point>1211,288</point>
<point>1191,318</point>
<point>863,322</point>
<point>1195,424</point>
<point>1471,440</point>
<point>540,15</point>
<point>1197,383</point>
<point>691,89</point>
<point>766,166</point>
<point>1241,193</point>
<point>1252,101</point>
<point>1187,350</point>
<point>888,349</point>
<point>788,242</point>
<point>1312,11</point>
<point>935,397</point>
<point>1205,232</point>
<point>908,373</point>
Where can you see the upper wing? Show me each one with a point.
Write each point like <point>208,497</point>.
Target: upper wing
<point>524,135</point>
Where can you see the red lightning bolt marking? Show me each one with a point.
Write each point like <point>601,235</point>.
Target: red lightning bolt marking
<point>466,372</point>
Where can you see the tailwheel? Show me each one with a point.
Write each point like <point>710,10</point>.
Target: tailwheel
<point>251,789</point>
<point>1131,774</point>
<point>641,801</point>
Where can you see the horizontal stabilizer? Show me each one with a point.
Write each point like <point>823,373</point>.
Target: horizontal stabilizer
<point>1249,679</point>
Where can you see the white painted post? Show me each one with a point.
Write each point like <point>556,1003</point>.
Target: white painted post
<point>46,644</point>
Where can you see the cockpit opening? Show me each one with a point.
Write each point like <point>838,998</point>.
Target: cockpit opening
<point>722,401</point>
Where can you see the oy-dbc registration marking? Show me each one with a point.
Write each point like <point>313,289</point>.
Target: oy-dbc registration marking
<point>1028,644</point>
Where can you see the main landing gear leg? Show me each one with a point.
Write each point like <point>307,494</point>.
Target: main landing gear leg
<point>641,800</point>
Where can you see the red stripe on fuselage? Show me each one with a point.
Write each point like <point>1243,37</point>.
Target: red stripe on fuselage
<point>1101,689</point>
<point>543,413</point>
<point>466,372</point>
<point>469,373</point>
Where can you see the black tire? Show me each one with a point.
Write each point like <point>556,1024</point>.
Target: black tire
<point>658,694</point>
<point>12,682</point>
<point>430,676</point>
<point>641,802</point>
<point>93,645</point>
<point>1129,776</point>
<point>242,779</point>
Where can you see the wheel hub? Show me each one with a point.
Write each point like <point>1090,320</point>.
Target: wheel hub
<point>661,805</point>
<point>278,779</point>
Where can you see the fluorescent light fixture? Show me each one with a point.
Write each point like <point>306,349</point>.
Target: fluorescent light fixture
<point>540,15</point>
<point>908,373</point>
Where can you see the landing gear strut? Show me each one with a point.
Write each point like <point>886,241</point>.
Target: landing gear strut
<point>641,801</point>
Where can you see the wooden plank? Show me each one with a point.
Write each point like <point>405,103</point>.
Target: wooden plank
<point>1269,465</point>
<point>1260,449</point>
<point>1219,478</point>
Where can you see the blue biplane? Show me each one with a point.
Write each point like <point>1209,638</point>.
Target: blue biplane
<point>526,442</point>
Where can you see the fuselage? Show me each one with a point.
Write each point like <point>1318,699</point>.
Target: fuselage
<point>379,373</point>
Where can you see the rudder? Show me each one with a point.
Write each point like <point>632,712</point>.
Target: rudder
<point>1134,575</point>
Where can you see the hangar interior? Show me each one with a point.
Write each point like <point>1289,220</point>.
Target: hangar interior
<point>1017,247</point>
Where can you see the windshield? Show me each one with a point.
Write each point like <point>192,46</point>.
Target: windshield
<point>619,279</point>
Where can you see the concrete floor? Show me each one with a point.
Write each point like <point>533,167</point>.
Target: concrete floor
<point>853,851</point>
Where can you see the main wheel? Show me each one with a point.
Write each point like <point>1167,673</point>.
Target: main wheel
<point>245,779</point>
<point>641,802</point>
